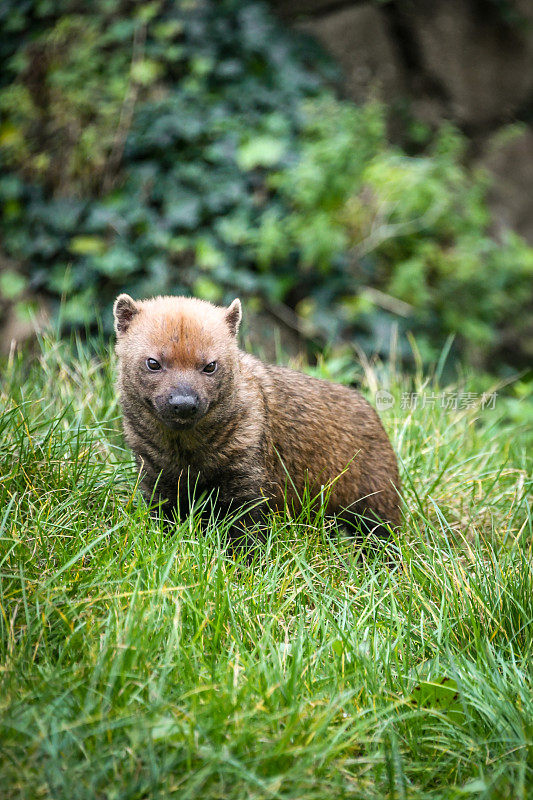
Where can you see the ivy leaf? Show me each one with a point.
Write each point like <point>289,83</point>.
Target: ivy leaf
<point>261,151</point>
<point>146,71</point>
<point>116,263</point>
<point>87,245</point>
<point>183,210</point>
<point>12,284</point>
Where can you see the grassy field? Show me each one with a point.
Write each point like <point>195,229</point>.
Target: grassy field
<point>137,664</point>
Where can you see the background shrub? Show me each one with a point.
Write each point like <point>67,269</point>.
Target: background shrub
<point>197,147</point>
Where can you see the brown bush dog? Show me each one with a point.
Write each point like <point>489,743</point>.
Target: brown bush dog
<point>201,415</point>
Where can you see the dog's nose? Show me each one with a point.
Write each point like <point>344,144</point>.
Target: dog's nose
<point>184,405</point>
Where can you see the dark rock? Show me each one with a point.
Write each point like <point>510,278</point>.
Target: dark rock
<point>358,38</point>
<point>292,9</point>
<point>482,62</point>
<point>509,161</point>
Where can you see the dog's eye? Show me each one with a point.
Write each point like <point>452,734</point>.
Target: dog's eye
<point>210,368</point>
<point>152,364</point>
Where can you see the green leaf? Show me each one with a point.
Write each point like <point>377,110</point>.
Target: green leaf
<point>116,263</point>
<point>12,284</point>
<point>262,151</point>
<point>337,647</point>
<point>207,255</point>
<point>441,695</point>
<point>10,135</point>
<point>87,245</point>
<point>79,309</point>
<point>207,290</point>
<point>146,71</point>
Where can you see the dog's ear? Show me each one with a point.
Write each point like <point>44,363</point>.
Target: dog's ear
<point>124,309</point>
<point>234,316</point>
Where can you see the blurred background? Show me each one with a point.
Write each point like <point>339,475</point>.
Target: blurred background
<point>359,173</point>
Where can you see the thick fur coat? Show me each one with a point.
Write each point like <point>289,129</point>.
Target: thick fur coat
<point>260,432</point>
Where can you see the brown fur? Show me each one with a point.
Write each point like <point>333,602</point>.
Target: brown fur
<point>261,422</point>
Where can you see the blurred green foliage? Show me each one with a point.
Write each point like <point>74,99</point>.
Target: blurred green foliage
<point>391,239</point>
<point>189,146</point>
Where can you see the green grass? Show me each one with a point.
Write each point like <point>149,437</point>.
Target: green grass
<point>135,664</point>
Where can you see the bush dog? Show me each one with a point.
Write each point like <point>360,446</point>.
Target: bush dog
<point>202,416</point>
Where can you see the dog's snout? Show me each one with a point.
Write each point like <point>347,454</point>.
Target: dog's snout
<point>183,405</point>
